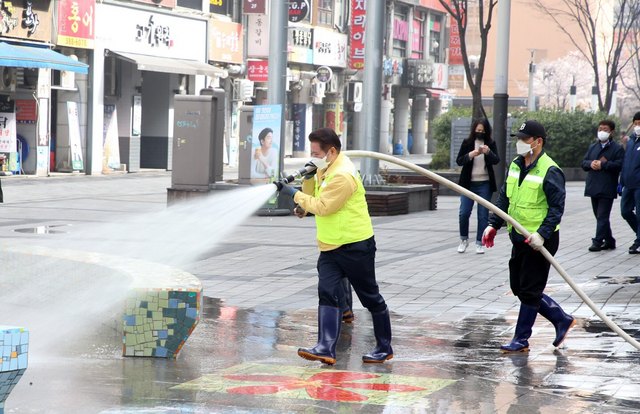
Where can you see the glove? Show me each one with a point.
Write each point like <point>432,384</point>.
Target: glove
<point>310,174</point>
<point>536,241</point>
<point>488,236</point>
<point>619,189</point>
<point>283,188</point>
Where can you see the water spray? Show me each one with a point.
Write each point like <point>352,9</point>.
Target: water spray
<point>461,190</point>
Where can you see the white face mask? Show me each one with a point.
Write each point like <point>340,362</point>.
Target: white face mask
<point>320,163</point>
<point>523,148</point>
<point>603,135</point>
<point>636,129</point>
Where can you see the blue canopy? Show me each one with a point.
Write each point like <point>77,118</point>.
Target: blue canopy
<point>36,57</point>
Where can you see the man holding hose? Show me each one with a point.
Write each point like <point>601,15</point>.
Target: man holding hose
<point>334,193</point>
<point>534,195</point>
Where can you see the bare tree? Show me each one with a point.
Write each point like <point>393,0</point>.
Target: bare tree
<point>595,30</point>
<point>458,9</point>
<point>630,78</point>
<point>556,78</point>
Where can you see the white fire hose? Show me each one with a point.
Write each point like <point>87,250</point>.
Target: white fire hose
<point>506,217</point>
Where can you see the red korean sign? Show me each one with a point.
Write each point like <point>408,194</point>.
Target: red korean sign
<point>76,23</point>
<point>455,52</point>
<point>258,70</point>
<point>356,52</point>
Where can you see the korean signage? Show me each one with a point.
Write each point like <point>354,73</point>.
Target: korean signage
<point>75,23</point>
<point>419,73</point>
<point>329,48</point>
<point>150,33</point>
<point>226,42</point>
<point>29,19</point>
<point>299,126</point>
<point>254,6</point>
<point>298,10</point>
<point>455,53</point>
<point>300,45</point>
<point>440,76</point>
<point>258,70</point>
<point>258,35</point>
<point>334,115</point>
<point>356,52</point>
<point>8,127</point>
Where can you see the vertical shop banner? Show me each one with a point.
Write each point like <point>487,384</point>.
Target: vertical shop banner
<point>356,52</point>
<point>266,143</point>
<point>75,23</point>
<point>8,127</point>
<point>111,145</point>
<point>455,52</point>
<point>136,116</point>
<point>77,162</point>
<point>299,126</point>
<point>258,35</point>
<point>334,115</point>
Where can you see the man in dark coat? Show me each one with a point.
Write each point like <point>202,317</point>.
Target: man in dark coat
<point>603,162</point>
<point>630,182</point>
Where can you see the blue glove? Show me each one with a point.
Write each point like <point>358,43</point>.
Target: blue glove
<point>286,189</point>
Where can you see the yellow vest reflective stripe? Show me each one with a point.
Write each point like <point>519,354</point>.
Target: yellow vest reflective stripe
<point>527,201</point>
<point>351,223</point>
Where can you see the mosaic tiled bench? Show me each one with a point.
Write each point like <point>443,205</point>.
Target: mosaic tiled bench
<point>162,309</point>
<point>14,344</point>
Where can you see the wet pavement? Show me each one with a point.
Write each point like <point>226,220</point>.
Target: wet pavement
<point>450,312</point>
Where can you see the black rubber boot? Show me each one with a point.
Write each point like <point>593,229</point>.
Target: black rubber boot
<point>328,333</point>
<point>520,341</point>
<point>382,330</point>
<point>562,321</point>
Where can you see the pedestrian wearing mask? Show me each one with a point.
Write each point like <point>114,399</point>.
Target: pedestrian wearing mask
<point>603,162</point>
<point>334,193</point>
<point>477,156</point>
<point>630,182</point>
<point>534,195</point>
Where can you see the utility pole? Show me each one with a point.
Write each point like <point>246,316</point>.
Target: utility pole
<point>374,30</point>
<point>531,101</point>
<point>501,94</point>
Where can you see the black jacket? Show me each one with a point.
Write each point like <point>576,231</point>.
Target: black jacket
<point>630,177</point>
<point>466,162</point>
<point>603,183</point>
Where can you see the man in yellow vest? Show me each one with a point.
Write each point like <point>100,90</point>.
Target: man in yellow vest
<point>534,195</point>
<point>335,195</point>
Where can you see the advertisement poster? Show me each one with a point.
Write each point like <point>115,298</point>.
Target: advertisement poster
<point>111,155</point>
<point>8,127</point>
<point>136,116</point>
<point>266,142</point>
<point>26,111</point>
<point>77,163</point>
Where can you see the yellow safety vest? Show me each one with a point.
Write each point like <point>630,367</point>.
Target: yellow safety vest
<point>351,223</point>
<point>527,201</point>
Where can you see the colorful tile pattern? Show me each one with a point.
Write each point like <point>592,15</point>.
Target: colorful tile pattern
<point>157,322</point>
<point>278,381</point>
<point>14,346</point>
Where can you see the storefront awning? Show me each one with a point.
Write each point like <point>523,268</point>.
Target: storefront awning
<point>170,65</point>
<point>37,57</point>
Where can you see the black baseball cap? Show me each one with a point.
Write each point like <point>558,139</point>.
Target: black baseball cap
<point>530,128</point>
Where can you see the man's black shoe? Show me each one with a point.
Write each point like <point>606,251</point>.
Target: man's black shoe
<point>634,249</point>
<point>609,246</point>
<point>595,247</point>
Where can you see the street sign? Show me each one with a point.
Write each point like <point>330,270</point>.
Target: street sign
<point>298,10</point>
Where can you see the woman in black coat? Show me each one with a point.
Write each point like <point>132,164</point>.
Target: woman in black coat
<point>603,162</point>
<point>478,154</point>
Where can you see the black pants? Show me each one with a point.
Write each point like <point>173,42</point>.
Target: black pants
<point>356,262</point>
<point>529,270</point>
<point>602,211</point>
